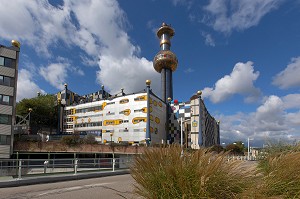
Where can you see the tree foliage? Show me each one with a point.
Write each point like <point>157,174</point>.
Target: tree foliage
<point>44,110</point>
<point>236,148</point>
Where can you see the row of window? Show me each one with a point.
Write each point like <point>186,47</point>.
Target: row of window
<point>5,119</point>
<point>101,107</point>
<point>7,62</point>
<point>4,139</point>
<point>6,100</point>
<point>7,81</point>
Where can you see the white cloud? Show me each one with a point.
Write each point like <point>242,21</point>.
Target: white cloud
<point>26,87</point>
<point>55,74</point>
<point>240,81</point>
<point>88,61</point>
<point>36,23</point>
<point>189,70</point>
<point>97,27</point>
<point>187,3</point>
<point>289,77</point>
<point>208,39</point>
<point>291,101</point>
<point>294,118</point>
<point>128,73</point>
<point>228,15</point>
<point>120,66</point>
<point>270,121</point>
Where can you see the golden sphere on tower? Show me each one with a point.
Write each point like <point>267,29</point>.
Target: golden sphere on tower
<point>148,82</point>
<point>15,43</point>
<point>169,99</point>
<point>165,59</point>
<point>199,93</point>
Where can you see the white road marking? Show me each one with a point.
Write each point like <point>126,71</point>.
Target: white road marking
<point>54,191</point>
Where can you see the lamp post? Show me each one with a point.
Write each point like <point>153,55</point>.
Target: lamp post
<point>200,138</point>
<point>29,128</point>
<point>167,119</point>
<point>248,148</point>
<point>113,151</point>
<point>181,134</point>
<point>148,133</point>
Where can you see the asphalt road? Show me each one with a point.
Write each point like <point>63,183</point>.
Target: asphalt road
<point>112,187</point>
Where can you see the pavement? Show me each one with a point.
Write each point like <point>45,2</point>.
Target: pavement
<point>9,181</point>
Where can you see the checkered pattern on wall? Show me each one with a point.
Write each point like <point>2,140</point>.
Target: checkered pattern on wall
<point>174,129</point>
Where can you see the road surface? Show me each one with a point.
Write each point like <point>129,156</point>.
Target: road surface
<point>112,187</point>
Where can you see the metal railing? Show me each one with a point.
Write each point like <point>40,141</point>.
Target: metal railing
<point>20,168</point>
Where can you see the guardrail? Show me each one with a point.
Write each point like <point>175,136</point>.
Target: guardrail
<point>20,168</point>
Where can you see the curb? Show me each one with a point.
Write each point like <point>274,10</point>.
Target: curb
<point>56,178</point>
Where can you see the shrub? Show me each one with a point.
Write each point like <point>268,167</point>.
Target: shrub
<point>89,139</point>
<point>167,173</point>
<point>71,140</point>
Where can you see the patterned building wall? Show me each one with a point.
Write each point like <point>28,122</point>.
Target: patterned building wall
<point>157,120</point>
<point>123,117</point>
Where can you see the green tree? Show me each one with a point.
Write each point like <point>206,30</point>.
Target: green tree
<point>44,111</point>
<point>236,148</point>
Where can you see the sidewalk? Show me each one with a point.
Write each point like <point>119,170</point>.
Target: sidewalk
<point>8,181</point>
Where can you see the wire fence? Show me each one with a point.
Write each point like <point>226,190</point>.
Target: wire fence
<point>21,168</point>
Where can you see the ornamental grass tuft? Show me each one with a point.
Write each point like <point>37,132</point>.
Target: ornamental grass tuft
<point>169,173</point>
<point>281,171</point>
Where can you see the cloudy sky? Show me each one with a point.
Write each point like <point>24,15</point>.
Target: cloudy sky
<point>244,55</point>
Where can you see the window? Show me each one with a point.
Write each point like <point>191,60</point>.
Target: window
<point>1,61</point>
<point>4,139</point>
<point>5,119</point>
<point>7,62</point>
<point>6,100</point>
<point>7,81</point>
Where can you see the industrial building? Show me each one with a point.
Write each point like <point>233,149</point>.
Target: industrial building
<point>9,58</point>
<point>141,117</point>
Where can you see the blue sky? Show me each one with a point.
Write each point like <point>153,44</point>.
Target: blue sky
<point>244,55</point>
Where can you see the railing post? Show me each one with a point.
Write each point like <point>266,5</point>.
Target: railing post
<point>20,169</point>
<point>114,160</point>
<point>75,166</point>
<point>45,166</point>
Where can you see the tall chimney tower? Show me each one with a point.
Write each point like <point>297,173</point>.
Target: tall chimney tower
<point>165,61</point>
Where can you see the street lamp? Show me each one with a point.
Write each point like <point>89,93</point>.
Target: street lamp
<point>248,148</point>
<point>29,110</point>
<point>113,151</point>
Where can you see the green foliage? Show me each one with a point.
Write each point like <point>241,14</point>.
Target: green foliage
<point>89,139</point>
<point>217,148</point>
<point>44,111</point>
<point>237,148</point>
<point>166,173</point>
<point>71,140</point>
